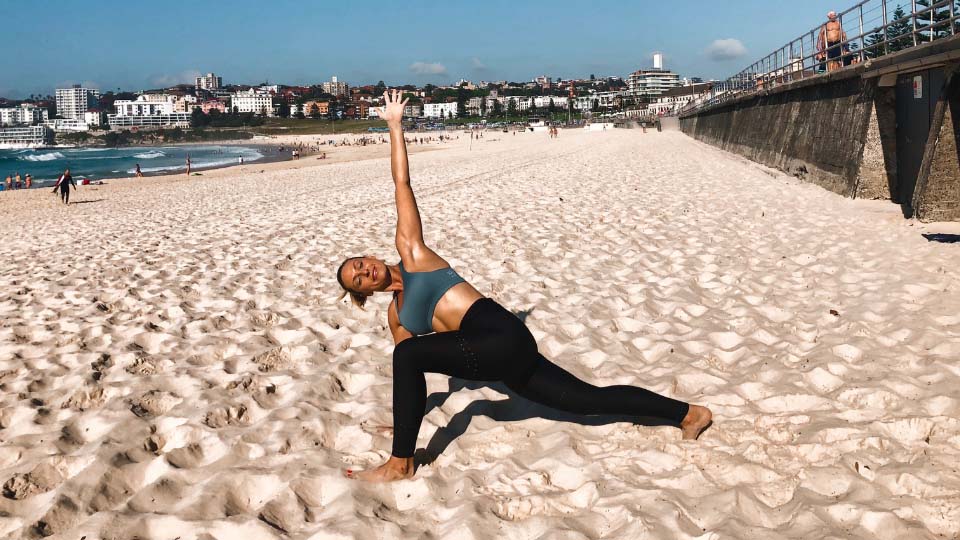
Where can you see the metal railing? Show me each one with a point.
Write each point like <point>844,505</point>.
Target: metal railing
<point>872,28</point>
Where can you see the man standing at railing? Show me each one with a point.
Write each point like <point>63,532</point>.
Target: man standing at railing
<point>829,42</point>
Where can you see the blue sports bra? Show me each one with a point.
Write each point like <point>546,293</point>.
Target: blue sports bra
<point>421,292</point>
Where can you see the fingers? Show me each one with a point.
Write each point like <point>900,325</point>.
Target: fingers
<point>404,104</point>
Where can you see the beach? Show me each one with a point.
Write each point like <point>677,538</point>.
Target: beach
<point>175,362</point>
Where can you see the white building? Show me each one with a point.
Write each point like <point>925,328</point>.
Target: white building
<point>93,119</point>
<point>543,81</point>
<point>651,82</point>
<point>209,82</point>
<point>25,114</point>
<point>521,103</point>
<point>335,87</point>
<point>543,102</point>
<point>74,102</point>
<point>149,110</point>
<point>600,99</point>
<point>180,119</point>
<point>25,137</point>
<point>253,101</point>
<point>438,110</point>
<point>145,105</point>
<point>67,125</point>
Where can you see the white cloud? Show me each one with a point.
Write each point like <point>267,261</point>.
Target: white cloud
<point>167,79</point>
<point>725,49</point>
<point>477,64</point>
<point>426,68</point>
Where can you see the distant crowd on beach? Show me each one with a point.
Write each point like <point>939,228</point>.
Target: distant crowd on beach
<point>317,146</point>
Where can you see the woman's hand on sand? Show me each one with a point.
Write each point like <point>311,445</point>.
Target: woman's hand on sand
<point>392,110</point>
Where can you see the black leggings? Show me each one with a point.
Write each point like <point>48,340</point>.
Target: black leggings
<point>494,345</point>
<point>65,195</point>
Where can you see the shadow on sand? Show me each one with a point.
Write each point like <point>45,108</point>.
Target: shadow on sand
<point>512,409</point>
<point>943,238</point>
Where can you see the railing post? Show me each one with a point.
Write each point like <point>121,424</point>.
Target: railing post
<point>862,42</point>
<point>803,60</point>
<point>933,31</point>
<point>953,23</point>
<point>886,33</point>
<point>913,20</point>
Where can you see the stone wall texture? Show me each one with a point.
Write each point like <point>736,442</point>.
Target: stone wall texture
<point>937,197</point>
<point>816,132</point>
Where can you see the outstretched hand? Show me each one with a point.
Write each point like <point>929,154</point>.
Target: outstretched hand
<point>392,110</point>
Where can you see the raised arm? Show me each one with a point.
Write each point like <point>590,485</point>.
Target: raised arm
<point>410,244</point>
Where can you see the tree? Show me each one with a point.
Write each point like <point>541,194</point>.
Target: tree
<point>511,107</point>
<point>314,111</point>
<point>197,118</point>
<point>497,108</point>
<point>941,24</point>
<point>284,111</point>
<point>380,88</point>
<point>483,106</point>
<point>461,102</point>
<point>428,90</point>
<point>595,106</point>
<point>550,107</point>
<point>897,35</point>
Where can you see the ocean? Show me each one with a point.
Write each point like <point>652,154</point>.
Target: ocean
<point>98,163</point>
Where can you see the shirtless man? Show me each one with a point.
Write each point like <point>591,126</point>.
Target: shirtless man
<point>829,42</point>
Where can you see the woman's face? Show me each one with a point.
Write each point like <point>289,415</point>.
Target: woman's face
<point>365,275</point>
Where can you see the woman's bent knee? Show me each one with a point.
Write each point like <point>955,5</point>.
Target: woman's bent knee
<point>404,354</point>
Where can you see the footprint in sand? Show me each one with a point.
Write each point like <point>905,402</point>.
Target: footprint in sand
<point>153,403</point>
<point>43,478</point>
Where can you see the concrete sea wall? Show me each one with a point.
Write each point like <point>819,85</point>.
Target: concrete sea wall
<point>839,131</point>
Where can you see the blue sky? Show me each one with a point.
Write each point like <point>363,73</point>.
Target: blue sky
<point>138,45</point>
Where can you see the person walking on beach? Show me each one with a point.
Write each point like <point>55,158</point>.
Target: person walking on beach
<point>442,324</point>
<point>138,172</point>
<point>18,181</point>
<point>188,164</point>
<point>829,42</point>
<point>63,184</point>
<point>9,182</point>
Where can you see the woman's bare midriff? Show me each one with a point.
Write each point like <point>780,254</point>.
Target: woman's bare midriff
<point>453,305</point>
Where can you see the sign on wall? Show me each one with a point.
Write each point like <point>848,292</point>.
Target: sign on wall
<point>918,87</point>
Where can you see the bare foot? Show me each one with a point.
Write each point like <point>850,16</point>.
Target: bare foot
<point>394,469</point>
<point>698,419</point>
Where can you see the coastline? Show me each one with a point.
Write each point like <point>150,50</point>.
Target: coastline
<point>272,160</point>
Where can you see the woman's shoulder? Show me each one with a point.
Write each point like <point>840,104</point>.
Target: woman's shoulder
<point>423,259</point>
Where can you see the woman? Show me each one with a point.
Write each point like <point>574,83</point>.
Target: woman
<point>441,324</point>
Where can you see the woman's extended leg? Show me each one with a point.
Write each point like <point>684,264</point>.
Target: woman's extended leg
<point>555,387</point>
<point>446,353</point>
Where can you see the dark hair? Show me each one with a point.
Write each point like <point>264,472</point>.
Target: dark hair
<point>358,299</point>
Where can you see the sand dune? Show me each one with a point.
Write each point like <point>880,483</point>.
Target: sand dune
<point>174,364</point>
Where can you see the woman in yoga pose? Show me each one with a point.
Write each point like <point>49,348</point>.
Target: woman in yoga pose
<point>441,324</point>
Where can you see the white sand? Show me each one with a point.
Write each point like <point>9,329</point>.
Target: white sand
<point>173,364</point>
